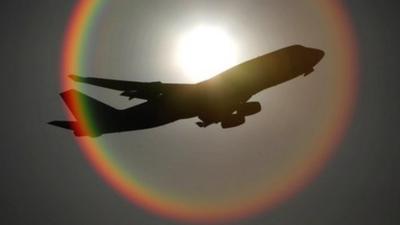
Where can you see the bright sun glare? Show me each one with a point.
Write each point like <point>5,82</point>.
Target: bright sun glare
<point>204,52</point>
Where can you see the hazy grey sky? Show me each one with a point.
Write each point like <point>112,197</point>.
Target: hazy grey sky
<point>46,179</point>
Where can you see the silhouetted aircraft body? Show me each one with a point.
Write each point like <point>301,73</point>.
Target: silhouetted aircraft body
<point>221,99</point>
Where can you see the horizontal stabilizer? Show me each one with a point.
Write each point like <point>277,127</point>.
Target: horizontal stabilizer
<point>75,99</point>
<point>64,124</point>
<point>74,126</point>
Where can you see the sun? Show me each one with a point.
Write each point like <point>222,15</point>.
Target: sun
<point>205,51</point>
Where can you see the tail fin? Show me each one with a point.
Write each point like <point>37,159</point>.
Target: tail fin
<point>100,113</point>
<point>99,109</point>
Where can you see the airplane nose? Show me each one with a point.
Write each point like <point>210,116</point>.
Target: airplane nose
<point>317,55</point>
<point>320,54</point>
<point>311,57</point>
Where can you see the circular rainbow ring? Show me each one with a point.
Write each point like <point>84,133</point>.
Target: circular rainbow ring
<point>74,55</point>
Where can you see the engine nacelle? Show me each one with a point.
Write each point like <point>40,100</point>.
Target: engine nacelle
<point>249,108</point>
<point>233,120</point>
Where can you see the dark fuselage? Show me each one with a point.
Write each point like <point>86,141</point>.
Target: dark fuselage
<point>223,98</point>
<point>219,96</point>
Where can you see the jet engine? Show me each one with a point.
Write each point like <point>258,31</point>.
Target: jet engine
<point>233,120</point>
<point>249,108</point>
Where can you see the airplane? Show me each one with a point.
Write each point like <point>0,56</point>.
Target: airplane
<point>222,99</point>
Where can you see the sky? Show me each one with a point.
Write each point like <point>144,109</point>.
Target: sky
<point>48,180</point>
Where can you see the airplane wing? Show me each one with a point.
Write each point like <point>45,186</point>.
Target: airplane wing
<point>133,89</point>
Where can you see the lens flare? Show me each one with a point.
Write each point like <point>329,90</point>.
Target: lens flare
<point>195,46</point>
<point>204,52</point>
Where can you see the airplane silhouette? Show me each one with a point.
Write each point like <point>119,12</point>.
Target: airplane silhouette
<point>221,99</point>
